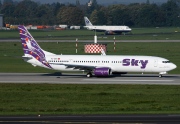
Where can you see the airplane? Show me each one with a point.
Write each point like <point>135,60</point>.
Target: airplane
<point>95,65</point>
<point>106,29</point>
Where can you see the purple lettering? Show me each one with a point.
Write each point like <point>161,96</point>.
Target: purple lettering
<point>126,62</point>
<point>134,62</point>
<point>143,63</point>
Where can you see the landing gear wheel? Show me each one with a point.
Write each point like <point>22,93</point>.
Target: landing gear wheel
<point>89,75</point>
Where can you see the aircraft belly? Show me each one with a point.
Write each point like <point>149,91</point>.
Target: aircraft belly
<point>161,69</point>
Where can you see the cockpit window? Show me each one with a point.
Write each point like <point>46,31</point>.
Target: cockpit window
<point>166,62</point>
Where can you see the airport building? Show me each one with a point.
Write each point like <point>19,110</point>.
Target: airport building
<point>1,20</point>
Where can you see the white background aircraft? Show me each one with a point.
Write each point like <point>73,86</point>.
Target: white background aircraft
<point>106,29</point>
<point>99,65</point>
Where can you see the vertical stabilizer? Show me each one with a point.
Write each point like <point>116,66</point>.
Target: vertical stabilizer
<point>31,47</point>
<point>87,22</point>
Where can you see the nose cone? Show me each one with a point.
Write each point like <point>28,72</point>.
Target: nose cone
<point>173,66</point>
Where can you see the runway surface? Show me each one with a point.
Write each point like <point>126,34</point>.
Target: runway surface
<point>93,119</point>
<point>58,78</point>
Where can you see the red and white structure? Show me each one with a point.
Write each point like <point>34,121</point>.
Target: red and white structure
<point>94,47</point>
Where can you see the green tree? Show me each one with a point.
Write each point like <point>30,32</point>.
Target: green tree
<point>8,1</point>
<point>147,2</point>
<point>8,9</point>
<point>0,3</point>
<point>150,15</point>
<point>99,17</point>
<point>56,7</point>
<point>94,17</point>
<point>70,16</point>
<point>45,15</point>
<point>171,11</point>
<point>77,3</point>
<point>25,12</point>
<point>118,15</point>
<point>94,3</point>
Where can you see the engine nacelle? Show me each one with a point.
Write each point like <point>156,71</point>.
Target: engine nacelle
<point>102,71</point>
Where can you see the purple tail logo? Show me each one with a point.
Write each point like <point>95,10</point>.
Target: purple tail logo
<point>31,47</point>
<point>87,21</point>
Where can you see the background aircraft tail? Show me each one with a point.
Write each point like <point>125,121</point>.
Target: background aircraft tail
<point>87,22</point>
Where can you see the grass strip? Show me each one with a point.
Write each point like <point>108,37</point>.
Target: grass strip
<point>161,33</point>
<point>57,99</point>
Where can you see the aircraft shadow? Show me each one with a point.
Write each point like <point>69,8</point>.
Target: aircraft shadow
<point>74,75</point>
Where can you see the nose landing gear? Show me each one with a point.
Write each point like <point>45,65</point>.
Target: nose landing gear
<point>161,73</point>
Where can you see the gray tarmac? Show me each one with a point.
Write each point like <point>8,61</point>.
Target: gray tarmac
<point>80,78</point>
<point>92,119</point>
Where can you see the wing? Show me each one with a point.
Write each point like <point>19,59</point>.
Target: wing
<point>80,67</point>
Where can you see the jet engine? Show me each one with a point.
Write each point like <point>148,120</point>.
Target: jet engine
<point>102,72</point>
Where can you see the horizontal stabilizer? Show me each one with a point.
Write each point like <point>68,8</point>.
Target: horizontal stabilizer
<point>26,58</point>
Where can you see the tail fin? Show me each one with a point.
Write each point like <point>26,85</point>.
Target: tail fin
<point>31,47</point>
<point>87,22</point>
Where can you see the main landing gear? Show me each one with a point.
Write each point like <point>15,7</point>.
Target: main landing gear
<point>89,74</point>
<point>160,76</point>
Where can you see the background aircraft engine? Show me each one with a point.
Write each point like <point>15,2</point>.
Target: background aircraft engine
<point>102,72</point>
<point>109,32</point>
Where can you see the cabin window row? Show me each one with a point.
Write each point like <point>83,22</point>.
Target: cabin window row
<point>56,61</point>
<point>96,61</point>
<point>86,61</point>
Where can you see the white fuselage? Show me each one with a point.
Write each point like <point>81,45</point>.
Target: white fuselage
<point>99,65</point>
<point>109,28</point>
<point>115,63</point>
